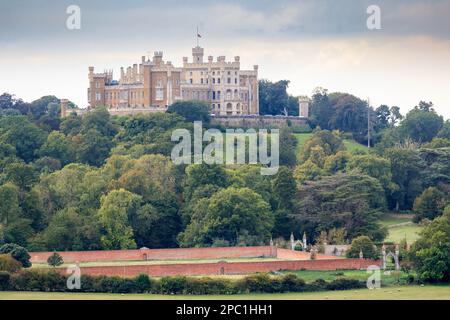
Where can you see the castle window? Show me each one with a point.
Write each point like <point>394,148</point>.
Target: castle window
<point>191,81</point>
<point>228,95</point>
<point>218,80</point>
<point>229,73</point>
<point>98,96</point>
<point>235,80</point>
<point>201,80</point>
<point>228,80</point>
<point>159,93</point>
<point>214,80</point>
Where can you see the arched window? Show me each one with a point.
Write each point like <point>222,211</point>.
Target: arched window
<point>228,94</point>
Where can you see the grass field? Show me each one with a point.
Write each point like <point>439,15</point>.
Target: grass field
<point>427,292</point>
<point>401,227</point>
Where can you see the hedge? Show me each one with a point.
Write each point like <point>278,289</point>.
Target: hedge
<point>40,280</point>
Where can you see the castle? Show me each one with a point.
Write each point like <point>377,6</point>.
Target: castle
<point>154,84</point>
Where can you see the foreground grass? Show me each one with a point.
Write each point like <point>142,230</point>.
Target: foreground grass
<point>427,292</point>
<point>362,275</point>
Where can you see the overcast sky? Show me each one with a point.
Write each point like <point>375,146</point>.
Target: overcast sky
<point>310,42</point>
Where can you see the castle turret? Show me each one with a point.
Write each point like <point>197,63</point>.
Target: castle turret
<point>63,106</point>
<point>303,106</point>
<point>197,54</point>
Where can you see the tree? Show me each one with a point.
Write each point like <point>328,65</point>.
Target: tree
<point>287,148</point>
<point>336,162</point>
<point>350,115</point>
<point>230,214</point>
<point>308,171</point>
<point>71,125</point>
<point>155,227</point>
<point>321,110</point>
<point>21,174</point>
<point>55,260</point>
<point>23,135</point>
<point>116,208</point>
<point>362,244</point>
<point>94,148</point>
<point>203,174</point>
<point>192,110</point>
<point>421,124</point>
<point>17,252</point>
<point>40,106</point>
<point>284,188</point>
<point>430,254</point>
<point>406,167</point>
<point>329,141</point>
<point>59,147</point>
<point>445,131</point>
<point>99,120</point>
<point>345,200</point>
<point>273,98</point>
<point>373,166</point>
<point>15,228</point>
<point>429,204</point>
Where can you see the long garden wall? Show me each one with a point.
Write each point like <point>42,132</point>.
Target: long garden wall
<point>226,268</point>
<point>159,254</point>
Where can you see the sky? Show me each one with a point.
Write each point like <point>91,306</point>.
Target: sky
<point>312,43</point>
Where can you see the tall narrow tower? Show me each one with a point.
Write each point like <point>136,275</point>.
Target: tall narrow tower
<point>303,107</point>
<point>197,54</point>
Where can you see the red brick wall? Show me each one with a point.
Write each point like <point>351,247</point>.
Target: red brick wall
<point>194,269</point>
<point>158,254</point>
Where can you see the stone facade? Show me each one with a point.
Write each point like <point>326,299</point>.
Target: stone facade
<point>155,84</point>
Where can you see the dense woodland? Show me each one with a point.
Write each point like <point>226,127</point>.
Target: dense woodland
<point>102,182</point>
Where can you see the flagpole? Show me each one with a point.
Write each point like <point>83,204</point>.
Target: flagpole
<point>197,36</point>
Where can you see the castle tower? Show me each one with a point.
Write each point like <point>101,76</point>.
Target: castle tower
<point>303,107</point>
<point>197,54</point>
<point>63,106</point>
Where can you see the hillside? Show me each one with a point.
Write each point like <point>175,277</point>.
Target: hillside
<point>351,145</point>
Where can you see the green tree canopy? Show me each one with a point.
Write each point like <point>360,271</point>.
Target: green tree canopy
<point>229,215</point>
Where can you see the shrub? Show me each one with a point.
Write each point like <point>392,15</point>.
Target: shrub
<point>206,286</point>
<point>17,252</point>
<point>291,283</point>
<point>173,285</point>
<point>38,280</point>
<point>4,280</point>
<point>143,283</point>
<point>55,260</point>
<point>344,284</point>
<point>258,283</point>
<point>9,264</point>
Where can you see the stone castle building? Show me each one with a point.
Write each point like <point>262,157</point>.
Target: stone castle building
<point>154,84</point>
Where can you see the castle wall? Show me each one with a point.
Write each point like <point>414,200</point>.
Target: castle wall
<point>262,121</point>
